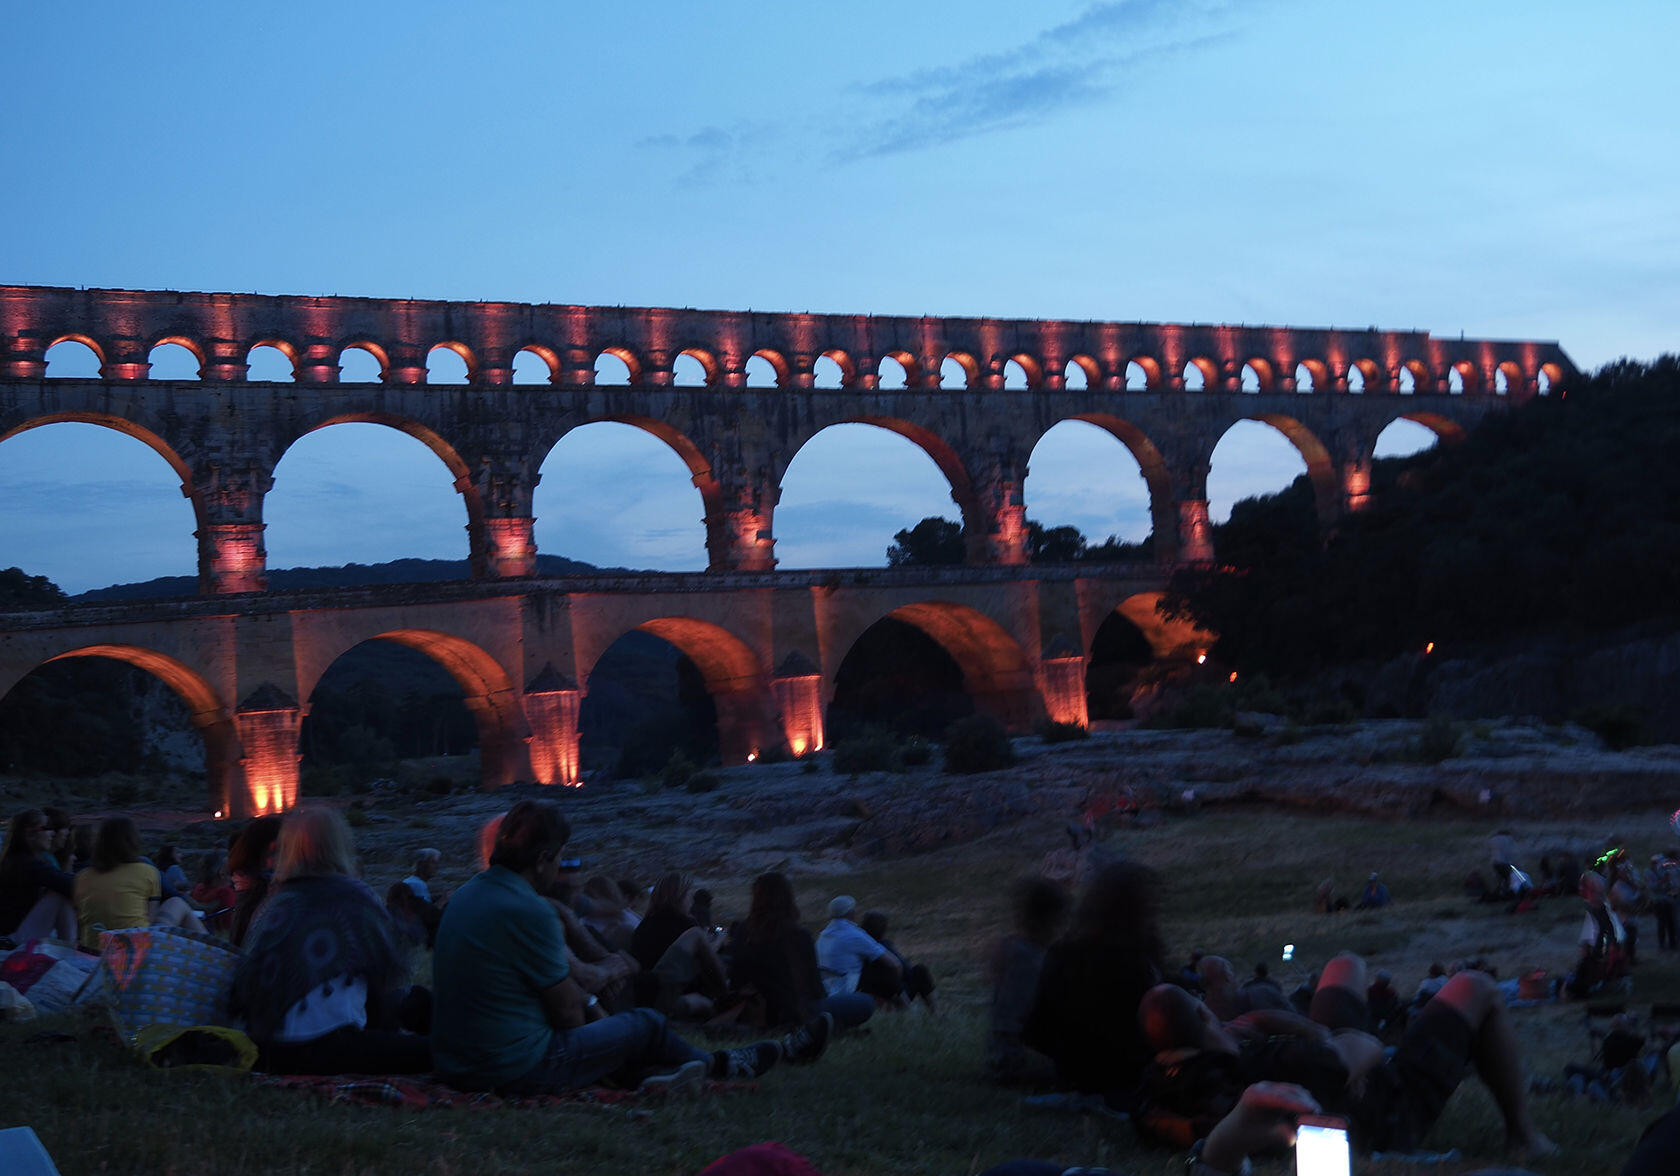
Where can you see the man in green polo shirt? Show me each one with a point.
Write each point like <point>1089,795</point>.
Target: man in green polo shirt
<point>508,1016</point>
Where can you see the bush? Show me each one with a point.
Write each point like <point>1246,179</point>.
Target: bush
<point>1051,732</point>
<point>914,752</point>
<point>808,766</point>
<point>1331,711</point>
<point>869,749</point>
<point>977,744</point>
<point>1201,706</point>
<point>122,794</point>
<point>440,786</point>
<point>702,782</point>
<point>355,817</point>
<point>1621,727</point>
<point>677,772</point>
<point>1439,740</point>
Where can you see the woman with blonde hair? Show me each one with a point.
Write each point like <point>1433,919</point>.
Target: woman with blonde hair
<point>324,975</point>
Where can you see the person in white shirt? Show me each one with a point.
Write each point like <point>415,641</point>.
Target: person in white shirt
<point>425,869</point>
<point>843,948</point>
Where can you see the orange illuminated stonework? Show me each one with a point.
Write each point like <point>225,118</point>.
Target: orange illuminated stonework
<point>798,690</point>
<point>236,559</point>
<point>1356,485</point>
<point>1195,532</point>
<point>1063,684</point>
<point>268,722</point>
<point>551,709</point>
<point>512,551</point>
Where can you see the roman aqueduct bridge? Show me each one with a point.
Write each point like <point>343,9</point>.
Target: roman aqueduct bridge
<point>768,642</point>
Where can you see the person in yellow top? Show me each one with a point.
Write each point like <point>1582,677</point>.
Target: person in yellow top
<point>121,889</point>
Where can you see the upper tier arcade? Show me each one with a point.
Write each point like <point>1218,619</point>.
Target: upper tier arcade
<point>1331,392</point>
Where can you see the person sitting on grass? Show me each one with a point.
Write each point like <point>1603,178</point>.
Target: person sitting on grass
<point>429,900</point>
<point>62,848</point>
<point>1085,1017</point>
<point>909,982</point>
<point>37,899</point>
<point>323,980</point>
<point>123,890</point>
<point>1223,995</point>
<point>211,893</point>
<point>600,971</point>
<point>682,974</point>
<point>250,864</point>
<point>1040,910</point>
<point>845,949</point>
<point>604,913</point>
<point>772,955</point>
<point>1375,895</point>
<point>1202,1066</point>
<point>507,1014</point>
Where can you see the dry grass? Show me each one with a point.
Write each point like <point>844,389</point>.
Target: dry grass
<point>908,1097</point>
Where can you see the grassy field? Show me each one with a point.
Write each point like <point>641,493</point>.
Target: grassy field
<point>908,1097</point>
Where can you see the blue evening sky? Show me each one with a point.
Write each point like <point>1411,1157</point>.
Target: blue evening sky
<point>1497,168</point>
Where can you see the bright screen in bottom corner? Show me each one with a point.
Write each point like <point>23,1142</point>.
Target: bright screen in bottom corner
<point>1321,1151</point>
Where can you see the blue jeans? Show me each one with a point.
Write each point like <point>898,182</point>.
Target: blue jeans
<point>850,1009</point>
<point>631,1044</point>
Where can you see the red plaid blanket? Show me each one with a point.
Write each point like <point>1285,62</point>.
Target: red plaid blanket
<point>389,1090</point>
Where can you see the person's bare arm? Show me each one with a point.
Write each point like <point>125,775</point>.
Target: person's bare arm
<point>579,937</point>
<point>565,1005</point>
<point>1277,1023</point>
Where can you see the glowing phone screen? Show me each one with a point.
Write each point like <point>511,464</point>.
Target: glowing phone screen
<point>1321,1151</point>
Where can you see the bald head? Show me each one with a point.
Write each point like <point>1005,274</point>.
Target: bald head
<point>1171,1019</point>
<point>1216,972</point>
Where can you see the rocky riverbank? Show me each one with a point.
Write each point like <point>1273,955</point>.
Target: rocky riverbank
<point>790,816</point>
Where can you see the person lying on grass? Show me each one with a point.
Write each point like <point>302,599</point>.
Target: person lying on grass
<point>1202,1065</point>
<point>507,1014</point>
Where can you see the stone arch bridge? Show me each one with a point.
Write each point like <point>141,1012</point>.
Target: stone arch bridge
<point>768,642</point>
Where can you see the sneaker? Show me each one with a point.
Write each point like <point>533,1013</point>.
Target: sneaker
<point>750,1061</point>
<point>806,1043</point>
<point>684,1080</point>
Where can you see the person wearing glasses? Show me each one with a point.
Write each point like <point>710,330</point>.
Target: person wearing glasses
<point>37,898</point>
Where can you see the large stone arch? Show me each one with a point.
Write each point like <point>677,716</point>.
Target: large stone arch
<point>207,711</point>
<point>461,474</point>
<point>713,496</point>
<point>997,671</point>
<point>1447,431</point>
<point>1163,510</point>
<point>975,519</point>
<point>1321,467</point>
<point>140,426</point>
<point>488,692</point>
<point>735,677</point>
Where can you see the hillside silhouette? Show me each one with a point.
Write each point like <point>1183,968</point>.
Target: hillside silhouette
<point>397,571</point>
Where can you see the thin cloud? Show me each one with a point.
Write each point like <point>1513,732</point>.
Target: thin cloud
<point>1080,62</point>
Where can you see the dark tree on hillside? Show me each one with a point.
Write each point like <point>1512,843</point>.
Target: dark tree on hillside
<point>18,590</point>
<point>1054,544</point>
<point>931,541</point>
<point>1561,516</point>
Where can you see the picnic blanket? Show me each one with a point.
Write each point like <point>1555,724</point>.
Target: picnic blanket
<point>390,1090</point>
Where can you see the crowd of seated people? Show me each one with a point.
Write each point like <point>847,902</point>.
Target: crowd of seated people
<point>1093,1011</point>
<point>46,892</point>
<point>540,984</point>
